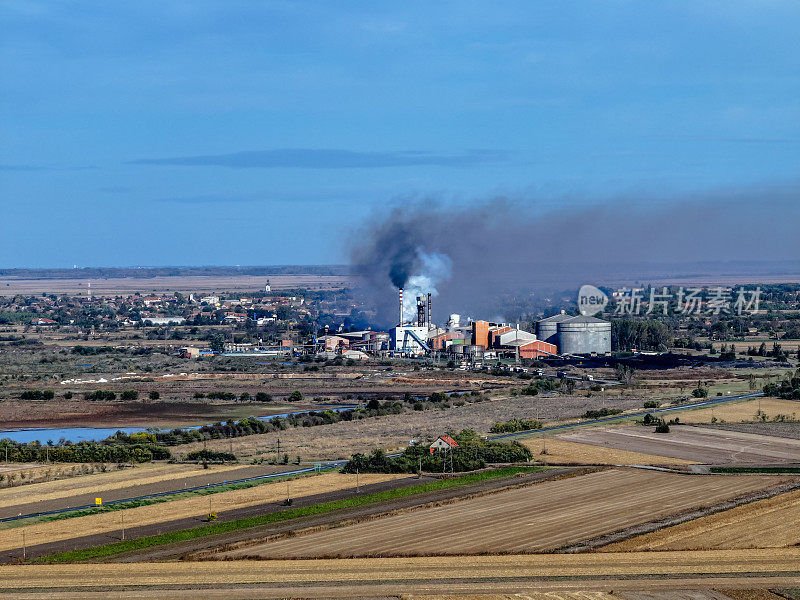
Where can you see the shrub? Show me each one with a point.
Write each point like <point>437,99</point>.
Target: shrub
<point>662,427</point>
<point>652,404</point>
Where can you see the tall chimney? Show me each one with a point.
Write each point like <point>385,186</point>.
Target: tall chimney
<point>429,310</point>
<point>401,307</point>
<point>420,312</point>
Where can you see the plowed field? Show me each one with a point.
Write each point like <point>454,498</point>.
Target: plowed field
<point>770,523</point>
<point>529,519</point>
<point>700,444</point>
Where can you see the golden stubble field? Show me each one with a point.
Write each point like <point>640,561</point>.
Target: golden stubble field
<point>560,451</point>
<point>769,523</point>
<point>96,483</point>
<point>737,412</point>
<point>197,506</point>
<point>536,518</point>
<point>441,576</point>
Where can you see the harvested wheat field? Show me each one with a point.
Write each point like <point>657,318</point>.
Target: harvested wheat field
<point>704,445</point>
<point>42,533</point>
<point>561,451</point>
<point>770,523</point>
<point>736,412</point>
<point>533,518</point>
<point>463,576</point>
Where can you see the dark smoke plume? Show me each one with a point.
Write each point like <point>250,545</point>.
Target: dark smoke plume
<point>506,247</point>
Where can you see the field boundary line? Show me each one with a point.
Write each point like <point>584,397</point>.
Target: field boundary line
<point>592,544</point>
<point>210,554</point>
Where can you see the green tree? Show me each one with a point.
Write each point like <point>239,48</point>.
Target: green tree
<point>154,395</point>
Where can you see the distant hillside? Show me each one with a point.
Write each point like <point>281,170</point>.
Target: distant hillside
<point>148,272</point>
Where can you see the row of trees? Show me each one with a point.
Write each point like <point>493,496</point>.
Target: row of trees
<point>82,452</point>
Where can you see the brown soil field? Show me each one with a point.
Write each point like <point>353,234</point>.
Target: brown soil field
<point>534,518</point>
<point>736,412</point>
<point>703,445</point>
<point>10,286</point>
<point>460,577</point>
<point>340,440</point>
<point>787,430</point>
<point>43,533</point>
<point>80,413</point>
<point>762,524</point>
<point>560,452</point>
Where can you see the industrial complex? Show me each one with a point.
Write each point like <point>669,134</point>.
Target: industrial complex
<point>558,335</point>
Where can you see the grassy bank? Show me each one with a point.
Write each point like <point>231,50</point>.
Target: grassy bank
<point>291,513</point>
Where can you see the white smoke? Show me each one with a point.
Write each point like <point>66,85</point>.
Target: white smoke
<point>434,269</point>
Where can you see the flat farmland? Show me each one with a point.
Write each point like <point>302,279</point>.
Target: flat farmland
<point>736,412</point>
<point>561,451</point>
<point>439,577</point>
<point>340,440</point>
<point>769,523</point>
<point>82,491</point>
<point>533,518</point>
<point>703,445</point>
<point>11,286</point>
<point>194,507</point>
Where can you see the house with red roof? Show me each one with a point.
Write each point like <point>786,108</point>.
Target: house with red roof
<point>445,442</point>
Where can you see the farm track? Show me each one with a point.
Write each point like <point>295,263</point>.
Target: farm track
<point>531,519</point>
<point>442,576</point>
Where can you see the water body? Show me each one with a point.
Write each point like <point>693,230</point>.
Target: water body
<point>93,434</point>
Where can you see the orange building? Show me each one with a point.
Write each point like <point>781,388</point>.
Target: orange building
<point>480,333</point>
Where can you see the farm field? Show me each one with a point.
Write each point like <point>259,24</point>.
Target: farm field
<point>561,451</point>
<point>439,577</point>
<point>533,518</point>
<point>10,286</point>
<point>126,483</point>
<point>703,445</point>
<point>735,412</point>
<point>192,507</point>
<point>762,524</point>
<point>340,440</point>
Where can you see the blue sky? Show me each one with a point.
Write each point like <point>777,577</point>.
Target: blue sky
<point>157,133</point>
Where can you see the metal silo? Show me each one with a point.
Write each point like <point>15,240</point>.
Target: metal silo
<point>584,335</point>
<point>547,329</point>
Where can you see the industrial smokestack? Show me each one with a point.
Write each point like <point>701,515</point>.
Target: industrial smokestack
<point>429,310</point>
<point>420,312</point>
<point>401,307</point>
